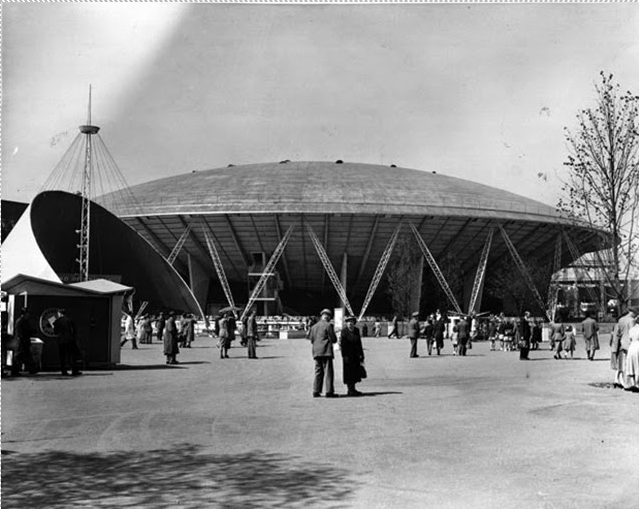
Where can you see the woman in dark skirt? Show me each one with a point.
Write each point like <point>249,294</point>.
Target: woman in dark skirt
<point>350,344</point>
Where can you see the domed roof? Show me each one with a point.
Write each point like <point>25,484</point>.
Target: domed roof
<point>325,187</point>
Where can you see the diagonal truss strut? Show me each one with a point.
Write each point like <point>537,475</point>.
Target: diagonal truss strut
<point>524,272</point>
<point>217,263</point>
<point>379,271</point>
<point>435,268</point>
<point>328,266</point>
<point>481,273</point>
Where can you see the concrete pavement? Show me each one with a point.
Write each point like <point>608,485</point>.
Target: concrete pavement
<point>487,430</point>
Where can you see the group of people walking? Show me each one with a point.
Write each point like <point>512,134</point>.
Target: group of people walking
<point>562,338</point>
<point>523,333</point>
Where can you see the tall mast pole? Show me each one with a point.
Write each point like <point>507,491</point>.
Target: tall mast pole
<point>85,226</point>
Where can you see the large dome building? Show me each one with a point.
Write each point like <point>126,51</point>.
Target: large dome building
<point>353,208</point>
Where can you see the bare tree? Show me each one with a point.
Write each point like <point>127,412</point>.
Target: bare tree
<point>433,294</point>
<point>504,281</point>
<point>402,274</point>
<point>603,180</point>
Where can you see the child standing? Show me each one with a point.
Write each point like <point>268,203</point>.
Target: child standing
<point>568,345</point>
<point>455,337</point>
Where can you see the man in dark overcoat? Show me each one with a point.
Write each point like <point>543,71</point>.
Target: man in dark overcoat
<point>428,334</point>
<point>463,334</point>
<point>252,335</point>
<point>350,343</point>
<point>322,337</point>
<point>160,324</point>
<point>231,326</point>
<point>68,347</point>
<point>439,330</point>
<point>23,333</point>
<point>590,328</point>
<point>525,334</point>
<point>413,333</point>
<point>170,340</point>
<point>188,329</point>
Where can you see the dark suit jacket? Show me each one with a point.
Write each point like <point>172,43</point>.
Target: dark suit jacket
<point>65,329</point>
<point>322,336</point>
<point>251,327</point>
<point>413,328</point>
<point>463,327</point>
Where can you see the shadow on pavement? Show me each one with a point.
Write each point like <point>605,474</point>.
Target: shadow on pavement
<point>376,394</point>
<point>129,367</point>
<point>177,477</point>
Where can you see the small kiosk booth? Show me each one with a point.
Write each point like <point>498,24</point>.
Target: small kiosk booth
<point>94,306</point>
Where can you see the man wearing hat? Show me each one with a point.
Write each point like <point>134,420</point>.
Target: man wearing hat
<point>413,333</point>
<point>23,333</point>
<point>350,343</point>
<point>463,330</point>
<point>589,329</point>
<point>68,348</point>
<point>322,337</point>
<point>170,340</point>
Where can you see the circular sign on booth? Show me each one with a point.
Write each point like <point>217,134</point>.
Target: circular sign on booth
<point>47,318</point>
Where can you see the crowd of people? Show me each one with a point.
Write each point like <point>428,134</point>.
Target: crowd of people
<point>522,334</point>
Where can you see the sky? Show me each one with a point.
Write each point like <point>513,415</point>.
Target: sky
<point>480,92</point>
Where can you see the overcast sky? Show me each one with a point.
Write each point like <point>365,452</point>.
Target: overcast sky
<point>480,92</point>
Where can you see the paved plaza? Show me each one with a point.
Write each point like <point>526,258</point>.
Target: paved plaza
<point>486,431</point>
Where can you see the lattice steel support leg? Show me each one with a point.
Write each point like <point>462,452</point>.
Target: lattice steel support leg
<point>480,275</point>
<point>379,271</point>
<point>219,268</point>
<point>436,270</point>
<point>524,271</point>
<point>328,266</point>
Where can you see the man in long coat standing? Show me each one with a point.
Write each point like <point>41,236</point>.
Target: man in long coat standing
<point>252,335</point>
<point>413,333</point>
<point>23,332</point>
<point>68,347</point>
<point>350,343</point>
<point>590,328</point>
<point>322,337</point>
<point>170,339</point>
<point>439,329</point>
<point>463,329</point>
<point>188,329</point>
<point>525,333</point>
<point>160,324</point>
